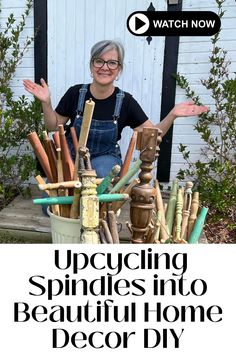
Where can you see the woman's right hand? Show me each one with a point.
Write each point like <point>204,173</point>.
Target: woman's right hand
<point>40,91</point>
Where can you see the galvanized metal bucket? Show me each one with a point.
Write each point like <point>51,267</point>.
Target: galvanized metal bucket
<point>64,230</point>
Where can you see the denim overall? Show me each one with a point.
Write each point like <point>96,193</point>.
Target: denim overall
<point>102,138</point>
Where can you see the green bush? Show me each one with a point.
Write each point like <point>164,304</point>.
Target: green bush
<point>214,172</point>
<point>18,116</point>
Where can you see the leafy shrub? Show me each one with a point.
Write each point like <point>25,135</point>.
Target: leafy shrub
<point>18,116</point>
<point>215,171</point>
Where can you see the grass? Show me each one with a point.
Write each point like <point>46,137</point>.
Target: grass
<point>9,239</point>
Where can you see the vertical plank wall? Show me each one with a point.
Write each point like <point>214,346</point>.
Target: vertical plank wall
<point>26,67</point>
<point>75,25</point>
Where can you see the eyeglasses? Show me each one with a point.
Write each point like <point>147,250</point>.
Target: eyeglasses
<point>99,63</point>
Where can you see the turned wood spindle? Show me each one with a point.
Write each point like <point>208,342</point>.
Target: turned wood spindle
<point>186,209</point>
<point>193,213</point>
<point>179,210</point>
<point>143,194</point>
<point>89,208</point>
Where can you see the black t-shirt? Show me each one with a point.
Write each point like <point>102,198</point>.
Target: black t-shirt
<point>131,113</point>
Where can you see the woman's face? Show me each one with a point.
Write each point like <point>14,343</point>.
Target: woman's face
<point>105,75</point>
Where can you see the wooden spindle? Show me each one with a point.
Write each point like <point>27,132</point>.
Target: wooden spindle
<point>56,139</point>
<point>41,154</point>
<point>89,208</point>
<point>39,179</point>
<point>74,211</point>
<point>117,205</point>
<point>129,154</point>
<point>179,210</point>
<point>164,232</point>
<point>113,226</point>
<point>198,226</point>
<point>143,194</point>
<point>170,213</point>
<point>107,181</point>
<point>107,232</point>
<point>84,132</point>
<point>74,138</point>
<point>193,212</point>
<point>186,209</point>
<point>51,155</point>
<point>62,192</point>
<point>67,163</point>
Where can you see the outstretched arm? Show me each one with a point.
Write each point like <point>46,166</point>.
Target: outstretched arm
<point>51,118</point>
<point>184,109</point>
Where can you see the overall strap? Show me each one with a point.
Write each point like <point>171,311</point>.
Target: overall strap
<point>82,93</point>
<point>119,100</point>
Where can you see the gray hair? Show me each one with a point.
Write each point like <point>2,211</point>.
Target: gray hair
<point>103,46</point>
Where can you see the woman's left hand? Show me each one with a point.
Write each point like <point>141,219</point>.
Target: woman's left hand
<point>188,109</point>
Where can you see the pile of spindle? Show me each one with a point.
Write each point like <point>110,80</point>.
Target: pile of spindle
<point>180,220</point>
<point>54,158</point>
<point>73,189</point>
<point>94,201</point>
<point>150,220</point>
<point>74,192</point>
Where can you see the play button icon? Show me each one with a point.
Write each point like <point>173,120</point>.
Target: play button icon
<point>138,23</point>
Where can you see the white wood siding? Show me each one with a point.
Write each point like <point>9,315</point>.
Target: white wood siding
<point>75,25</point>
<point>193,63</point>
<point>26,67</point>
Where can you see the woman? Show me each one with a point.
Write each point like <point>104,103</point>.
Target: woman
<point>114,109</point>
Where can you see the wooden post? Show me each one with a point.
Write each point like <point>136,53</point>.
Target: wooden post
<point>124,180</point>
<point>164,231</point>
<point>89,208</point>
<point>107,232</point>
<point>158,227</point>
<point>41,154</point>
<point>179,211</point>
<point>143,194</point>
<point>186,209</point>
<point>74,138</point>
<point>106,183</point>
<point>67,163</point>
<point>129,153</point>
<point>67,200</point>
<point>117,205</point>
<point>170,213</point>
<point>67,184</point>
<point>64,209</point>
<point>198,226</point>
<point>113,226</point>
<point>193,212</point>
<point>51,155</point>
<point>39,179</point>
<point>74,210</point>
<point>84,132</point>
<point>56,140</point>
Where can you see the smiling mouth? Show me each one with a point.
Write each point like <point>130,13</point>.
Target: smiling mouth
<point>104,74</point>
